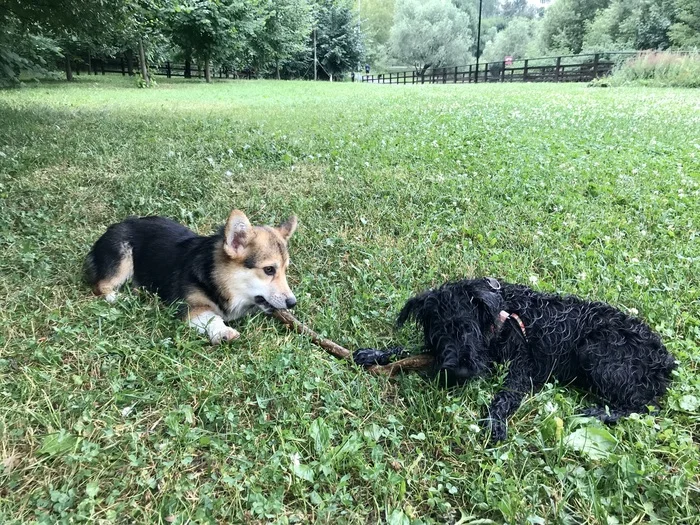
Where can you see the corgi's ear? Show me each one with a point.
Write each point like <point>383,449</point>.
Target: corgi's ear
<point>288,227</point>
<point>237,233</point>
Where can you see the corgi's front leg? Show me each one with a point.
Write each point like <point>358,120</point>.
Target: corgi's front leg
<point>207,322</point>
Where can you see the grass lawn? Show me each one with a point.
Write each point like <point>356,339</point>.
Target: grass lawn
<point>118,413</point>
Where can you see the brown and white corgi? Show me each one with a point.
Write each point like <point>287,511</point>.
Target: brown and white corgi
<point>220,277</point>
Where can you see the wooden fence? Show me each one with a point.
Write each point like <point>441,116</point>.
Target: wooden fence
<point>566,68</point>
<point>167,69</point>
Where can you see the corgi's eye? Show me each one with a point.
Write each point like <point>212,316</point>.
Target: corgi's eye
<point>269,270</point>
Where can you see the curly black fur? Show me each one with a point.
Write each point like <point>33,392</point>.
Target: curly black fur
<point>588,344</point>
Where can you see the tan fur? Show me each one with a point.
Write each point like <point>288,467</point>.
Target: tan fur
<point>266,246</point>
<point>197,302</point>
<point>124,272</point>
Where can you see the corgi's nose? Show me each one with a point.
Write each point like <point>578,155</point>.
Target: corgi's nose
<point>291,302</point>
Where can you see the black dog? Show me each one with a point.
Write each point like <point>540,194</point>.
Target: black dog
<point>470,325</point>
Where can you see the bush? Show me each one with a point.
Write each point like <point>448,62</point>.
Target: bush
<point>661,69</point>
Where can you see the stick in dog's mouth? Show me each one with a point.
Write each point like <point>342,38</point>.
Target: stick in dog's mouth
<point>416,362</point>
<point>262,303</point>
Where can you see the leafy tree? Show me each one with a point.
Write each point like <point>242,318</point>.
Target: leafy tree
<point>564,23</point>
<point>203,27</point>
<point>629,24</point>
<point>517,9</point>
<point>518,39</point>
<point>430,33</point>
<point>338,40</point>
<point>376,18</point>
<point>613,27</point>
<point>22,51</point>
<point>30,27</point>
<point>653,19</point>
<point>685,32</point>
<point>284,31</point>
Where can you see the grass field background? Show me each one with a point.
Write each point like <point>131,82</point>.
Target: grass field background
<point>118,413</point>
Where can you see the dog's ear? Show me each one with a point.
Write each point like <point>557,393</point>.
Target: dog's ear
<point>237,233</point>
<point>288,227</point>
<point>487,296</point>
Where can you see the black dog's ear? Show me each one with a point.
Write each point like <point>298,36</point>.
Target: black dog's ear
<point>484,292</point>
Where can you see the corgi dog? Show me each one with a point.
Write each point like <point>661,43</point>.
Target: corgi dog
<point>222,277</point>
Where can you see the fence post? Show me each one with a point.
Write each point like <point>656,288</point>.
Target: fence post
<point>470,73</point>
<point>455,74</point>
<point>122,64</point>
<point>404,78</point>
<point>167,69</point>
<point>596,59</point>
<point>557,71</point>
<point>503,71</point>
<point>444,75</point>
<point>525,71</point>
<point>486,72</point>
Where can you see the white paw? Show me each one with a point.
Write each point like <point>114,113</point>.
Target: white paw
<point>223,334</point>
<point>111,297</point>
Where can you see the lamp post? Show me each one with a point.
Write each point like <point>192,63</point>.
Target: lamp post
<point>478,43</point>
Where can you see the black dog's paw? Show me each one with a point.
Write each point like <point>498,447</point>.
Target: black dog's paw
<point>497,429</point>
<point>371,356</point>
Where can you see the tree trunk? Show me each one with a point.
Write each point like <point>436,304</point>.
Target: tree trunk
<point>129,54</point>
<point>69,70</point>
<point>144,67</point>
<point>315,61</point>
<point>89,63</point>
<point>277,66</point>
<point>207,70</point>
<point>188,66</point>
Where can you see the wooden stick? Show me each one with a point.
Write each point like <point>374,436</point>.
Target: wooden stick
<point>415,362</point>
<point>329,346</point>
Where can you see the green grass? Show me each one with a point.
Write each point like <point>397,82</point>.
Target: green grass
<point>118,413</point>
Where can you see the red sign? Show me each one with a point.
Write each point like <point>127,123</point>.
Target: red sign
<point>509,61</point>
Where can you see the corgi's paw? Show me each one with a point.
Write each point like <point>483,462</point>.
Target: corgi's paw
<point>223,334</point>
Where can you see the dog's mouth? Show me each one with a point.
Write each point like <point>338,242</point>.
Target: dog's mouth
<point>262,303</point>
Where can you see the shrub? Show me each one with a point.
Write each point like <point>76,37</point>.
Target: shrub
<point>662,69</point>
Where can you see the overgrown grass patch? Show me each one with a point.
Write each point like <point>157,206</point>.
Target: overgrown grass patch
<point>659,69</point>
<point>120,413</point>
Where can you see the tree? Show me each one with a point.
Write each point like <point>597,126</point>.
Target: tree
<point>629,24</point>
<point>430,33</point>
<point>285,28</point>
<point>612,28</point>
<point>685,32</point>
<point>564,23</point>
<point>518,39</point>
<point>338,40</point>
<point>653,21</point>
<point>202,26</point>
<point>517,9</point>
<point>34,28</point>
<point>375,20</point>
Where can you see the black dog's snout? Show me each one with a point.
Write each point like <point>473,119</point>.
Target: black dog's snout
<point>291,302</point>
